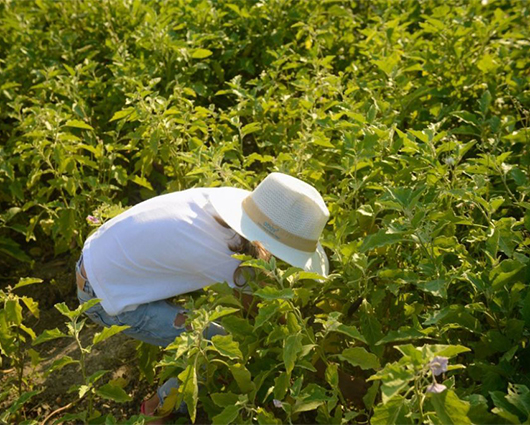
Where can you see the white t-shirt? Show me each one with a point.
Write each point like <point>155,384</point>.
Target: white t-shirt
<point>163,247</point>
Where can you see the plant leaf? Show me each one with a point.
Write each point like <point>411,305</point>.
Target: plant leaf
<point>449,408</point>
<point>351,331</point>
<point>201,53</point>
<point>25,281</point>
<point>114,393</point>
<point>281,385</point>
<point>225,345</point>
<point>142,181</point>
<point>227,416</point>
<point>32,305</point>
<point>190,390</point>
<point>79,124</point>
<point>23,399</point>
<point>107,333</point>
<point>121,114</point>
<point>293,346</point>
<point>59,364</point>
<point>358,356</point>
<point>271,293</point>
<point>224,399</point>
<point>250,128</point>
<point>221,311</point>
<point>265,314</point>
<point>48,335</point>
<point>380,239</point>
<point>242,377</point>
<point>393,412</point>
<point>403,334</point>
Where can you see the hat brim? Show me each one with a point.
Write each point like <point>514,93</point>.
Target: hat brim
<point>227,201</point>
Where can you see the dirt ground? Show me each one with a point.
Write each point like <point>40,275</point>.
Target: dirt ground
<point>117,354</point>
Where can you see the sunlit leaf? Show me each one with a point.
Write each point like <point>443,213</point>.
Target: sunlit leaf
<point>189,389</point>
<point>226,346</point>
<point>114,393</point>
<point>79,124</point>
<point>141,181</point>
<point>107,333</point>
<point>393,412</point>
<point>449,408</point>
<point>24,281</point>
<point>201,53</point>
<point>48,335</point>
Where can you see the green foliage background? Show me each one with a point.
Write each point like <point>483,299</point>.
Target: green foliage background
<point>410,117</point>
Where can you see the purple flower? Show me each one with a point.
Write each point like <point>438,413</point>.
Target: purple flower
<point>436,388</point>
<point>92,219</point>
<point>277,403</point>
<point>438,365</point>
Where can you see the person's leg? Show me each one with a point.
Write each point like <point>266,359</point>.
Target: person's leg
<point>157,323</point>
<point>153,323</point>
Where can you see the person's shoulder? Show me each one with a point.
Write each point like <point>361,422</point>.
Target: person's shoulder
<point>190,195</point>
<point>197,199</point>
<point>201,195</point>
<point>198,191</point>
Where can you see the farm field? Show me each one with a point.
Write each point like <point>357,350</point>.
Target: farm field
<point>411,118</point>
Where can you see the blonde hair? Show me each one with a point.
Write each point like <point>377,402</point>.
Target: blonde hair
<point>243,246</point>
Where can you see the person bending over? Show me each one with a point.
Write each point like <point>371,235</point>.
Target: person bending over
<point>180,242</point>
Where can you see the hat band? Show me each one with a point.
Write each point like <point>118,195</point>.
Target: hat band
<point>281,235</point>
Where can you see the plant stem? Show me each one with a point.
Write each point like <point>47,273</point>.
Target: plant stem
<point>420,396</point>
<point>60,409</point>
<point>83,365</point>
<point>20,364</point>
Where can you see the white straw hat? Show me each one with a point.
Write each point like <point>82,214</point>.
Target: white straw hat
<point>284,213</point>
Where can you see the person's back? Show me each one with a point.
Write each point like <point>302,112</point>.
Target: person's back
<point>160,248</point>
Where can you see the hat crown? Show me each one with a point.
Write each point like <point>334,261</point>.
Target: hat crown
<point>292,205</point>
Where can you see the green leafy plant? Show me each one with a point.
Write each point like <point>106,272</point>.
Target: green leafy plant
<point>410,392</point>
<point>13,348</point>
<point>87,389</point>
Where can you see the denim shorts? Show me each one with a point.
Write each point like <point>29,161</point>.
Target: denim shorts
<point>152,322</point>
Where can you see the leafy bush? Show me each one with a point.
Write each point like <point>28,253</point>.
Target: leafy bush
<point>410,117</point>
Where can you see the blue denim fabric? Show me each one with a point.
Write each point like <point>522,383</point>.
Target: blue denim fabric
<point>152,323</point>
